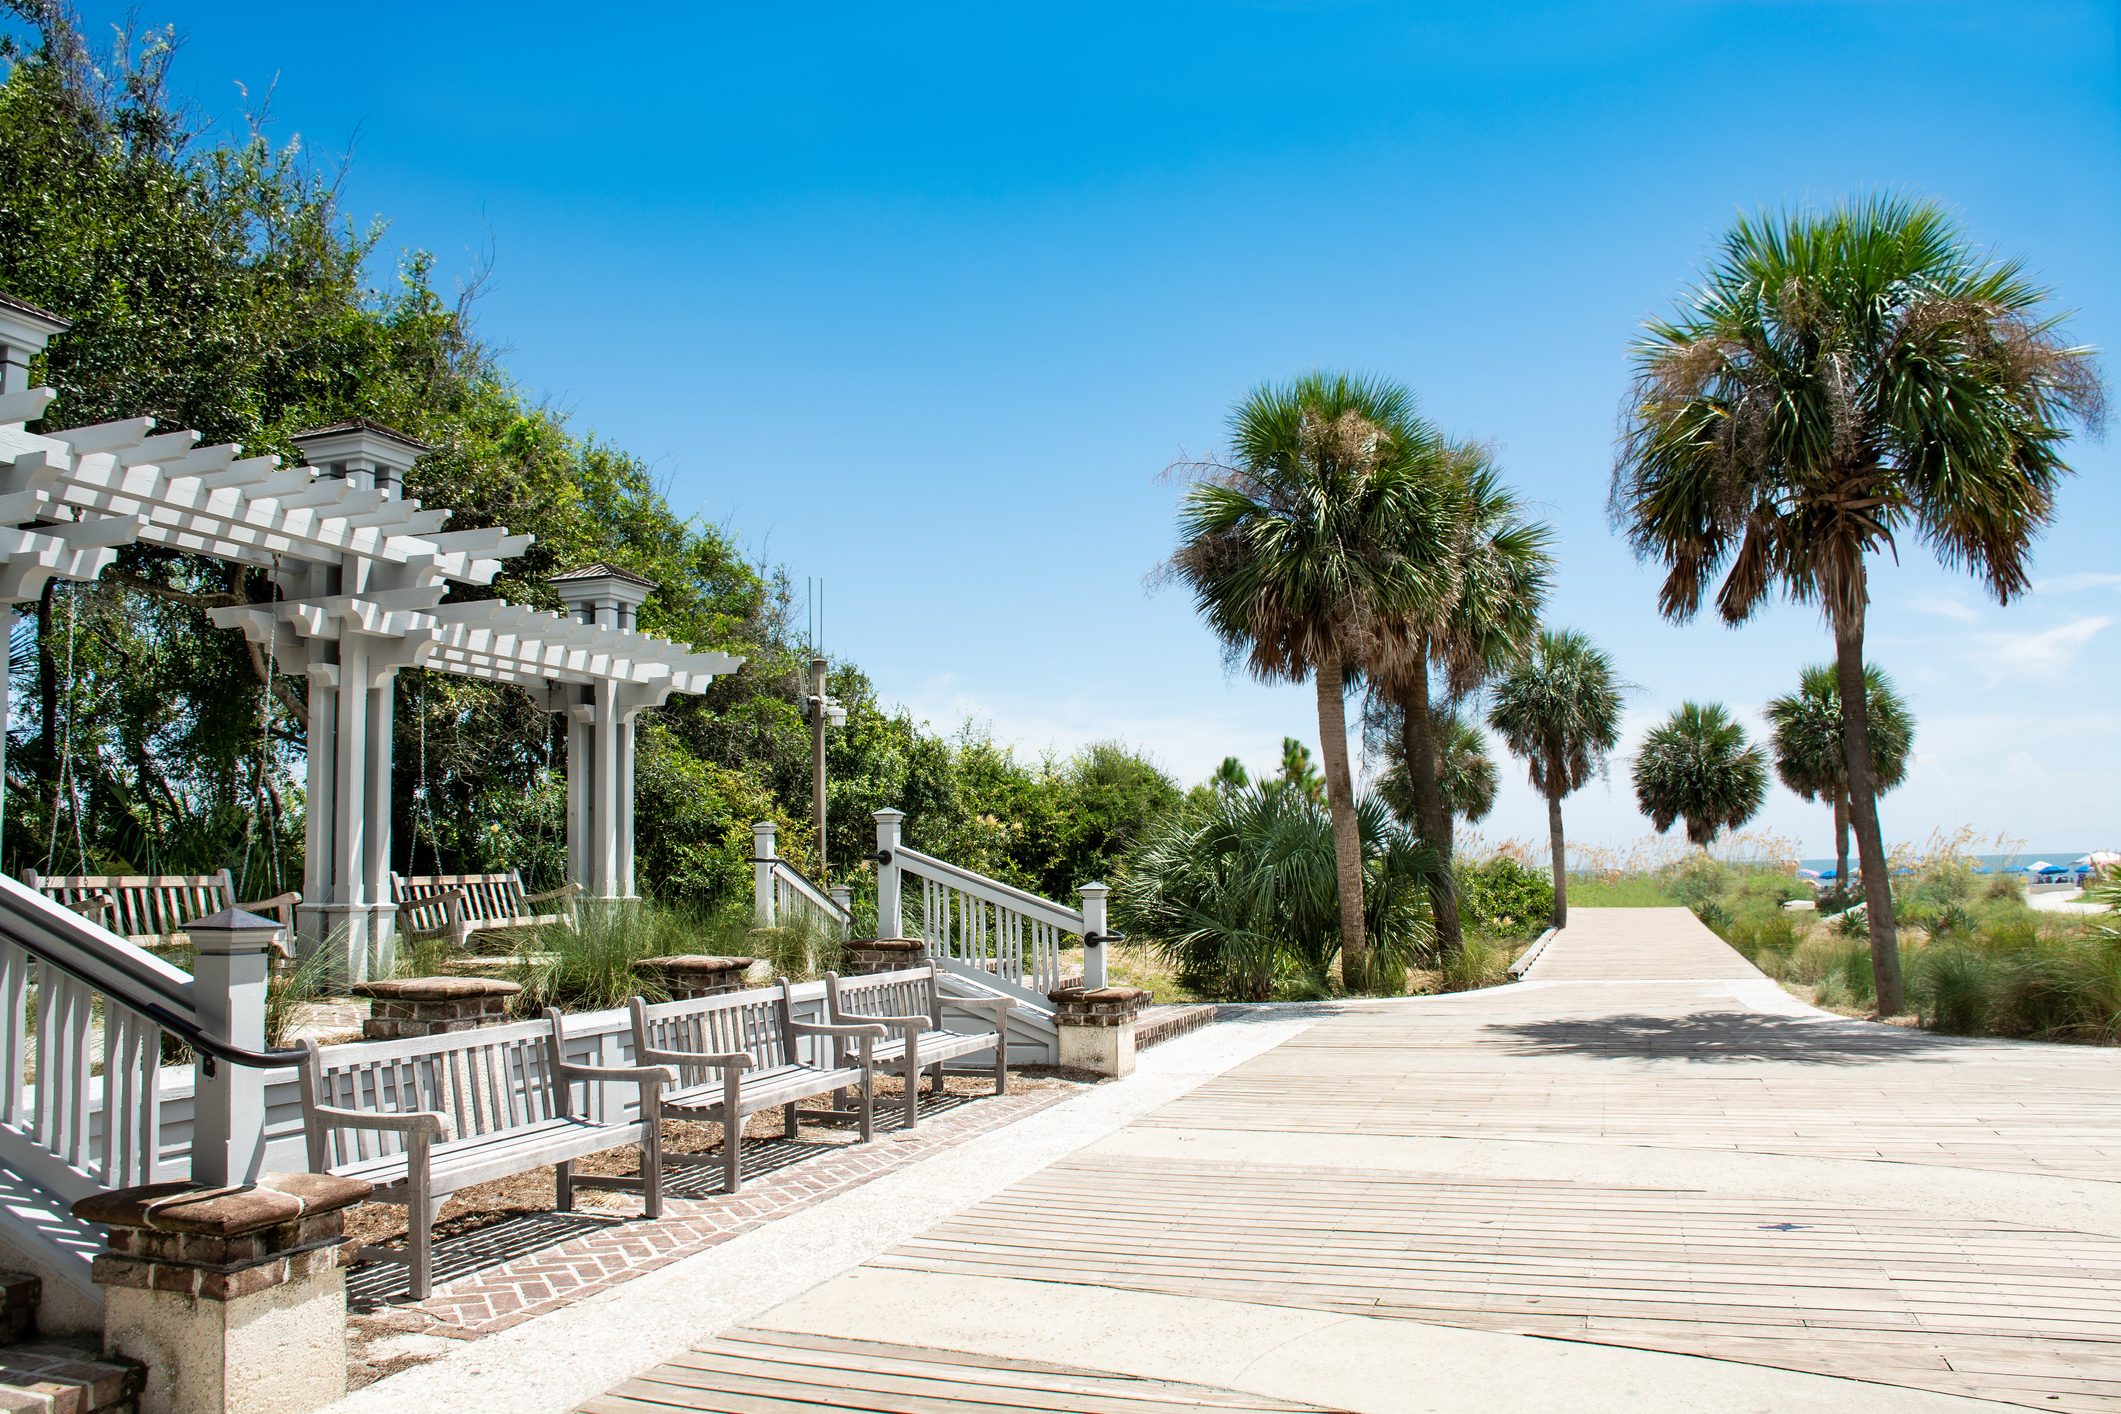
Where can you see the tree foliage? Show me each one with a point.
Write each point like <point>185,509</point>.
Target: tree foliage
<point>1698,766</point>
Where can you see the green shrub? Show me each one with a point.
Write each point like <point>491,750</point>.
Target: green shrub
<point>1505,897</point>
<point>1237,891</point>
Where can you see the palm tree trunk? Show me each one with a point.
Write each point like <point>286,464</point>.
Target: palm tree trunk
<point>1841,840</point>
<point>1558,845</point>
<point>1863,811</point>
<point>1347,838</point>
<point>1432,822</point>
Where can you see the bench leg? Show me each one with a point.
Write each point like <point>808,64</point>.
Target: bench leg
<point>420,1246</point>
<point>732,1154</point>
<point>868,1105</point>
<point>912,1073</point>
<point>563,1186</point>
<point>788,1121</point>
<point>936,1074</point>
<point>1001,1067</point>
<point>652,1160</point>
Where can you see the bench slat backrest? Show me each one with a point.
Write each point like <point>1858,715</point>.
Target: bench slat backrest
<point>143,907</point>
<point>756,1022</point>
<point>488,898</point>
<point>487,1080</point>
<point>909,992</point>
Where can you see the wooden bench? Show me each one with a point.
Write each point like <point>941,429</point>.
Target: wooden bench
<point>150,910</point>
<point>423,1117</point>
<point>739,1053</point>
<point>459,907</point>
<point>910,1005</point>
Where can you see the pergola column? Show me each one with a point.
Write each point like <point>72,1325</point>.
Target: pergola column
<point>600,736</point>
<point>347,909</point>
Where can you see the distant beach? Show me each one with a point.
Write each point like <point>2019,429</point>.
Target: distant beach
<point>1993,861</point>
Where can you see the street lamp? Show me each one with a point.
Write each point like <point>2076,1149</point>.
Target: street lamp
<point>821,711</point>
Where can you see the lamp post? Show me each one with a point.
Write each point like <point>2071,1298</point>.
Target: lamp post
<point>822,711</point>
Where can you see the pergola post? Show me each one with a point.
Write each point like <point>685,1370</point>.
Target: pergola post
<point>600,740</point>
<point>24,331</point>
<point>346,908</point>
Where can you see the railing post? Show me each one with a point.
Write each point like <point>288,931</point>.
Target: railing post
<point>231,951</point>
<point>762,857</point>
<point>890,919</point>
<point>843,899</point>
<point>1094,945</point>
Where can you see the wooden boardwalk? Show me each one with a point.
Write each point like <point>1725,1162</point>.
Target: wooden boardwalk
<point>1644,1146</point>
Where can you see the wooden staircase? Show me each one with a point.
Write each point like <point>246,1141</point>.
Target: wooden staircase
<point>56,1377</point>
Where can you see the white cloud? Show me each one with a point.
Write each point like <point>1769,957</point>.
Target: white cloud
<point>2078,583</point>
<point>2046,654</point>
<point>1944,607</point>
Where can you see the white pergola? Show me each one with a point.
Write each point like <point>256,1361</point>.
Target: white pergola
<point>360,574</point>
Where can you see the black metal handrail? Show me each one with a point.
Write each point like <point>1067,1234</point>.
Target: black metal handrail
<point>210,1048</point>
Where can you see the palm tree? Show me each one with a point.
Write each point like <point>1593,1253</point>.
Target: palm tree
<point>1465,774</point>
<point>1485,620</point>
<point>1559,708</point>
<point>1699,767</point>
<point>1836,384</point>
<point>1299,548</point>
<point>1807,735</point>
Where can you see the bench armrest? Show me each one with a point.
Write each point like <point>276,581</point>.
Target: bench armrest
<point>434,1126</point>
<point>923,1023</point>
<point>567,890</point>
<point>819,1028</point>
<point>645,1074</point>
<point>739,1060</point>
<point>1000,1006</point>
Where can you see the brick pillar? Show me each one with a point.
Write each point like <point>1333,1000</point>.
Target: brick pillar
<point>690,975</point>
<point>866,955</point>
<point>1097,1027</point>
<point>431,1006</point>
<point>233,1298</point>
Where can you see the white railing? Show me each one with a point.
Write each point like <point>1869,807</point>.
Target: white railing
<point>983,927</point>
<point>781,893</point>
<point>81,1097</point>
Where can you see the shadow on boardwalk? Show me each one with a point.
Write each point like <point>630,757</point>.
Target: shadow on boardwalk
<point>1727,1036</point>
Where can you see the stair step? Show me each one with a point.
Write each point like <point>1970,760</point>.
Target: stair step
<point>19,1294</point>
<point>1162,1023</point>
<point>66,1379</point>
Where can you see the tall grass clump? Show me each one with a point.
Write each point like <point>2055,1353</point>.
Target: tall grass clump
<point>591,966</point>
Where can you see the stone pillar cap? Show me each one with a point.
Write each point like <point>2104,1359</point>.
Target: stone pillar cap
<point>1098,994</point>
<point>693,962</point>
<point>434,989</point>
<point>184,1207</point>
<point>888,944</point>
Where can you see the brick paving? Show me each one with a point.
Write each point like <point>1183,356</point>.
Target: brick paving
<point>516,1270</point>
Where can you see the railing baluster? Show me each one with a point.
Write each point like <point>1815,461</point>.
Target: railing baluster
<point>14,989</point>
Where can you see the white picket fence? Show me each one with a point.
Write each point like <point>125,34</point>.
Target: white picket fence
<point>76,1051</point>
<point>784,894</point>
<point>983,928</point>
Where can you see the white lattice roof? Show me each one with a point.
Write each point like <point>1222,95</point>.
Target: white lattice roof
<point>214,501</point>
<point>68,498</point>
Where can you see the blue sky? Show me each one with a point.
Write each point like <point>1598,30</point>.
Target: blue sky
<point>921,299</point>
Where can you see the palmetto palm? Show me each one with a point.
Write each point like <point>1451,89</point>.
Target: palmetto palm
<point>1465,774</point>
<point>1298,549</point>
<point>1807,737</point>
<point>1699,767</point>
<point>1559,708</point>
<point>1483,622</point>
<point>1836,384</point>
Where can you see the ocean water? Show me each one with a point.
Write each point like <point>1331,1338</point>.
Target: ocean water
<point>1993,861</point>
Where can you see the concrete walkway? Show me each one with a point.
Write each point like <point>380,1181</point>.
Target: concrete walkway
<point>1643,1178</point>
